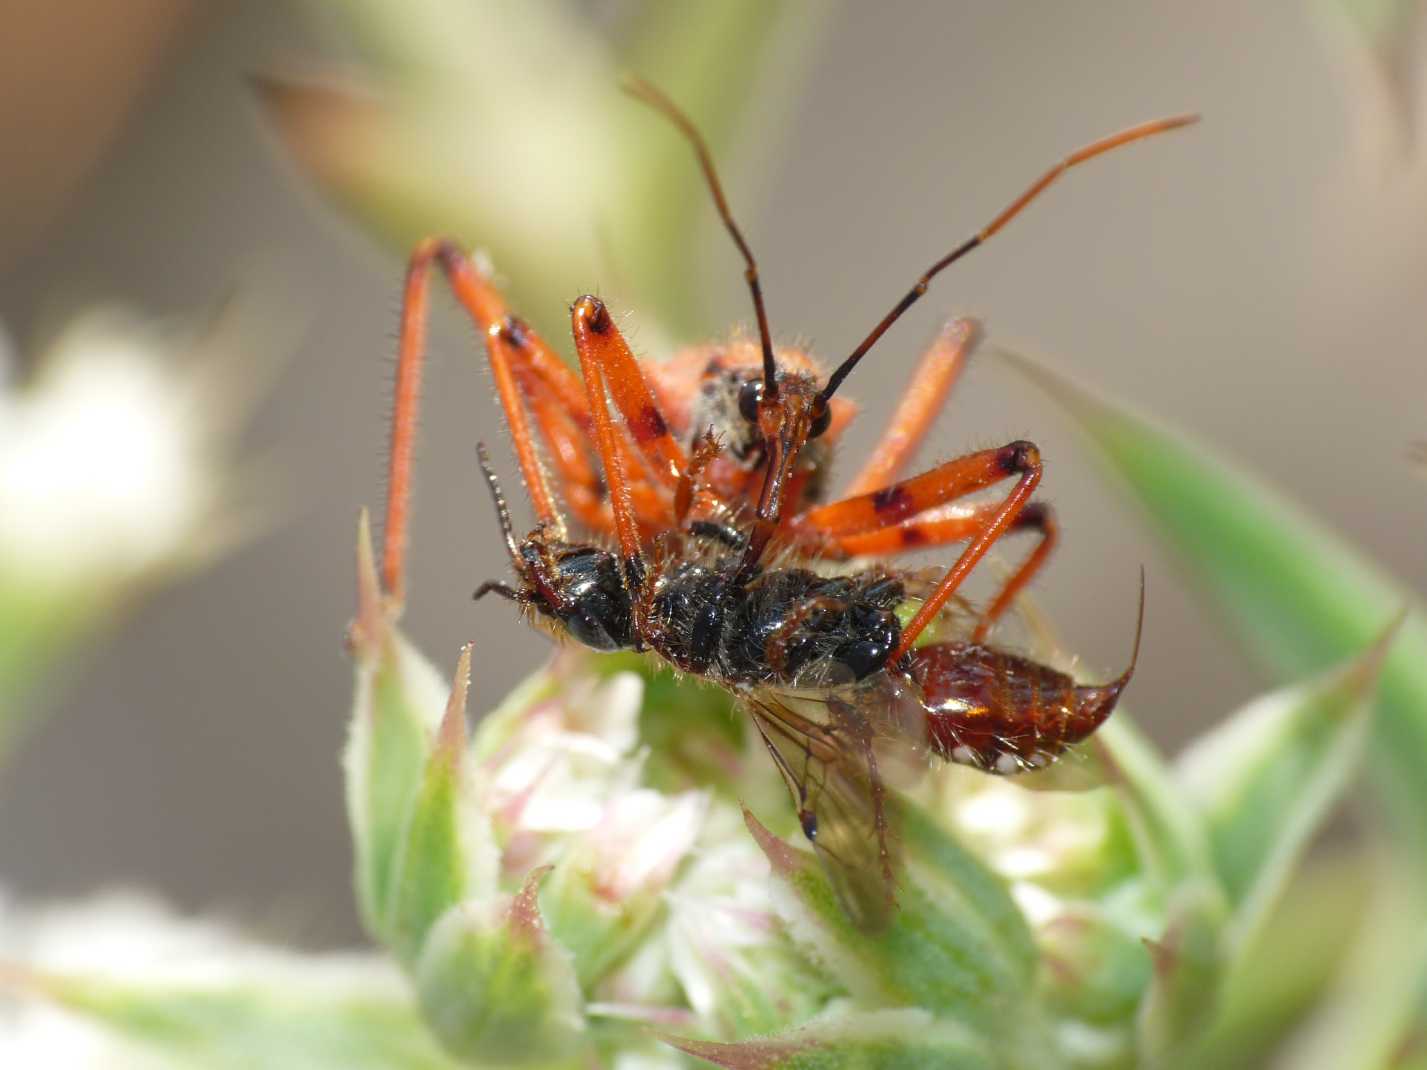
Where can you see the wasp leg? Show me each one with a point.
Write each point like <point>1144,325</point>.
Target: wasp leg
<point>921,403</point>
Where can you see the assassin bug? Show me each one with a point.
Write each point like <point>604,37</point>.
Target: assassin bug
<point>767,406</point>
<point>823,663</point>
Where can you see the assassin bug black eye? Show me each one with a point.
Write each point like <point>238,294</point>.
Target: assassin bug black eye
<point>822,420</point>
<point>749,398</point>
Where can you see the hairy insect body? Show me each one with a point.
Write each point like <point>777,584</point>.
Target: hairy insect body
<point>786,626</point>
<point>704,389</point>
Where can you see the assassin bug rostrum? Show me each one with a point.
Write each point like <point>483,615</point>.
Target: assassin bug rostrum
<point>823,662</point>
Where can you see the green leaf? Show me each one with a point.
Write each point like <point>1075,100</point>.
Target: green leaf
<point>1267,778</point>
<point>337,1024</point>
<point>1277,976</point>
<point>1299,595</point>
<point>1169,836</point>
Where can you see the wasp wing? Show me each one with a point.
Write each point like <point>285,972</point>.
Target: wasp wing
<point>823,745</point>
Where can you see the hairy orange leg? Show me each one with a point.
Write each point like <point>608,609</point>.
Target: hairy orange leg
<point>921,403</point>
<point>893,505</point>
<point>565,426</point>
<point>591,324</point>
<point>600,343</point>
<point>485,307</point>
<point>1025,459</point>
<point>938,530</point>
<point>525,370</point>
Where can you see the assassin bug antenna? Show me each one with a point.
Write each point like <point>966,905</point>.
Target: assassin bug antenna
<point>643,91</point>
<point>1036,188</point>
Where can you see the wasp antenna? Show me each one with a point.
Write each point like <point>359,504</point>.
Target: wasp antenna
<point>1034,190</point>
<point>650,94</point>
<point>507,592</point>
<point>502,511</point>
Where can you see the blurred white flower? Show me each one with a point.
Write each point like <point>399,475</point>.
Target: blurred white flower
<point>55,958</point>
<point>109,456</point>
<point>114,474</point>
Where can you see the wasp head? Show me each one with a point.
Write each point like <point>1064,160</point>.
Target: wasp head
<point>577,587</point>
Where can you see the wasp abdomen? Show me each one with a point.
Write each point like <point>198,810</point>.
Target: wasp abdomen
<point>784,625</point>
<point>1002,712</point>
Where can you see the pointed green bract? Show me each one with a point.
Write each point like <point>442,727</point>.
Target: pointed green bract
<point>1187,963</point>
<point>446,851</point>
<point>496,988</point>
<point>1269,776</point>
<point>397,707</point>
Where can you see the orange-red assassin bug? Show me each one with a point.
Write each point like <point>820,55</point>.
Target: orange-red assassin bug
<point>823,663</point>
<point>673,473</point>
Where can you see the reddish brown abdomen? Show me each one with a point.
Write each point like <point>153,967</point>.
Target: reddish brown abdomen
<point>1002,712</point>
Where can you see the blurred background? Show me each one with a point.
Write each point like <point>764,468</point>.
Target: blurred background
<point>1255,280</point>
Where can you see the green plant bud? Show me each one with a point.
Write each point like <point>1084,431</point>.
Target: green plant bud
<point>496,988</point>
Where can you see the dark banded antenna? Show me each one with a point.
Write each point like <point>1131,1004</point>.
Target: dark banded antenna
<point>502,511</point>
<point>643,91</point>
<point>1079,156</point>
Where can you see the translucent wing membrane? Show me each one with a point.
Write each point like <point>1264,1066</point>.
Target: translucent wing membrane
<point>825,748</point>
